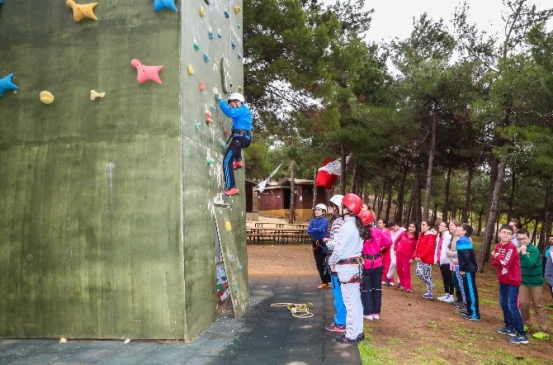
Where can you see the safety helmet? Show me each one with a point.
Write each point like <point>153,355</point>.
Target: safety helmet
<point>321,206</point>
<point>352,202</point>
<point>237,96</point>
<point>337,200</point>
<point>366,217</point>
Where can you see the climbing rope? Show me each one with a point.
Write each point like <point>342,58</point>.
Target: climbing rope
<point>299,310</point>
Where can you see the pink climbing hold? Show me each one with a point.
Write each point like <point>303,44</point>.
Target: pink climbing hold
<point>145,73</point>
<point>208,118</point>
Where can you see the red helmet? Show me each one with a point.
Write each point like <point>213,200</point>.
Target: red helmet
<point>352,202</point>
<point>366,217</point>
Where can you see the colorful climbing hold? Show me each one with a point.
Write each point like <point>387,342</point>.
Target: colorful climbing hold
<point>210,34</point>
<point>233,44</point>
<point>223,144</point>
<point>208,118</point>
<point>197,125</point>
<point>202,86</point>
<point>240,89</point>
<point>196,45</point>
<point>219,34</point>
<point>237,9</point>
<point>202,11</point>
<point>227,15</point>
<point>239,56</point>
<point>239,26</point>
<point>81,11</point>
<point>209,2</point>
<point>206,58</point>
<point>95,94</point>
<point>164,4</point>
<point>190,70</point>
<point>46,97</point>
<point>145,73</point>
<point>6,84</point>
<point>209,161</point>
<point>225,132</point>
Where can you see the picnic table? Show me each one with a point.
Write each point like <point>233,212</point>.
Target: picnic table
<point>277,232</point>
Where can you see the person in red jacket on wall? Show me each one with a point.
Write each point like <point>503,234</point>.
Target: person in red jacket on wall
<point>404,246</point>
<point>506,258</point>
<point>424,254</point>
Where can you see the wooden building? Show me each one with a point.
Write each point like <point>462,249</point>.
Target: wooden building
<point>274,201</point>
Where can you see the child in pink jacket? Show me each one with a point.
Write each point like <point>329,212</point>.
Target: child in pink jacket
<point>405,246</point>
<point>371,293</point>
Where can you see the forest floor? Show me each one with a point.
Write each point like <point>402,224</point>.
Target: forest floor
<point>416,330</point>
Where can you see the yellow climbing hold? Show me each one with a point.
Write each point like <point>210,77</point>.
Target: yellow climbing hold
<point>81,11</point>
<point>237,9</point>
<point>228,226</point>
<point>46,97</point>
<point>202,11</point>
<point>190,70</point>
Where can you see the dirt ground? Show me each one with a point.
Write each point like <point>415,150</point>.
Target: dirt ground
<point>417,330</point>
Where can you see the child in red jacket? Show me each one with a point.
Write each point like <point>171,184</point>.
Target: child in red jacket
<point>505,258</point>
<point>404,246</point>
<point>424,254</point>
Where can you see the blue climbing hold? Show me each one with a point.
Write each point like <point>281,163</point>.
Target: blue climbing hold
<point>227,15</point>
<point>6,84</point>
<point>164,4</point>
<point>210,34</point>
<point>239,56</point>
<point>206,58</point>
<point>233,44</point>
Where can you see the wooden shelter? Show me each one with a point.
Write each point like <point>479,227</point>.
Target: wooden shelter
<point>274,201</point>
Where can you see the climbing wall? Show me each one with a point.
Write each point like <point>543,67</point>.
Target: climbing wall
<point>110,166</point>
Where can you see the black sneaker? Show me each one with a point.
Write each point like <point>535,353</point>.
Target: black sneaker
<point>471,318</point>
<point>506,331</point>
<point>387,283</point>
<point>519,339</point>
<point>344,339</point>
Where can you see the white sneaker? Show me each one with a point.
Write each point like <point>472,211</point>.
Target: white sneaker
<point>376,316</point>
<point>443,297</point>
<point>391,284</point>
<point>369,317</point>
<point>449,299</point>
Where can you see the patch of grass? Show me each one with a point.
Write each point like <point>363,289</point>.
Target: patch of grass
<point>433,325</point>
<point>394,341</point>
<point>371,354</point>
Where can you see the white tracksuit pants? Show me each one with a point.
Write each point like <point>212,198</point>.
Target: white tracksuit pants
<point>352,300</point>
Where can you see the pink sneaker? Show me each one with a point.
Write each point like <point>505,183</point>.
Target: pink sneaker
<point>237,165</point>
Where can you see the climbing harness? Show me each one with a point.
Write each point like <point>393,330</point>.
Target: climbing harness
<point>299,310</point>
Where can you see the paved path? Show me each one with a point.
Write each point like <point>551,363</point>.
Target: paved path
<point>264,335</point>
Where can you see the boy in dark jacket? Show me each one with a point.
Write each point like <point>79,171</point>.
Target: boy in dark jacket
<point>468,268</point>
<point>505,257</point>
<point>318,230</point>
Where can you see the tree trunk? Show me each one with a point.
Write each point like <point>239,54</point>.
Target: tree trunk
<point>480,217</point>
<point>492,217</point>
<point>381,201</point>
<point>400,198</point>
<point>314,192</point>
<point>511,196</point>
<point>468,193</point>
<point>292,194</point>
<point>409,210</point>
<point>430,168</point>
<point>343,174</point>
<point>416,207</point>
<point>546,227</point>
<point>354,182</point>
<point>446,200</point>
<point>389,187</point>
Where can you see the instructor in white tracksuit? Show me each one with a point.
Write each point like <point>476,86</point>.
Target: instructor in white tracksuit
<point>346,260</point>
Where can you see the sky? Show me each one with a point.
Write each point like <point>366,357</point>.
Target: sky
<point>394,18</point>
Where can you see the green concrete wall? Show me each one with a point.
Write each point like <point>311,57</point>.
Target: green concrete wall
<point>106,206</point>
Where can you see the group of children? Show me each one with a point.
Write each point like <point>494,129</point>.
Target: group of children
<point>361,258</point>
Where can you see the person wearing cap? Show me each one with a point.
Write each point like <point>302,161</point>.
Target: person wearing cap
<point>241,136</point>
<point>318,230</point>
<point>347,262</point>
<point>335,209</point>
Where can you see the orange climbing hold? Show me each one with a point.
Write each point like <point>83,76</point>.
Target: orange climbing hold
<point>202,86</point>
<point>208,118</point>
